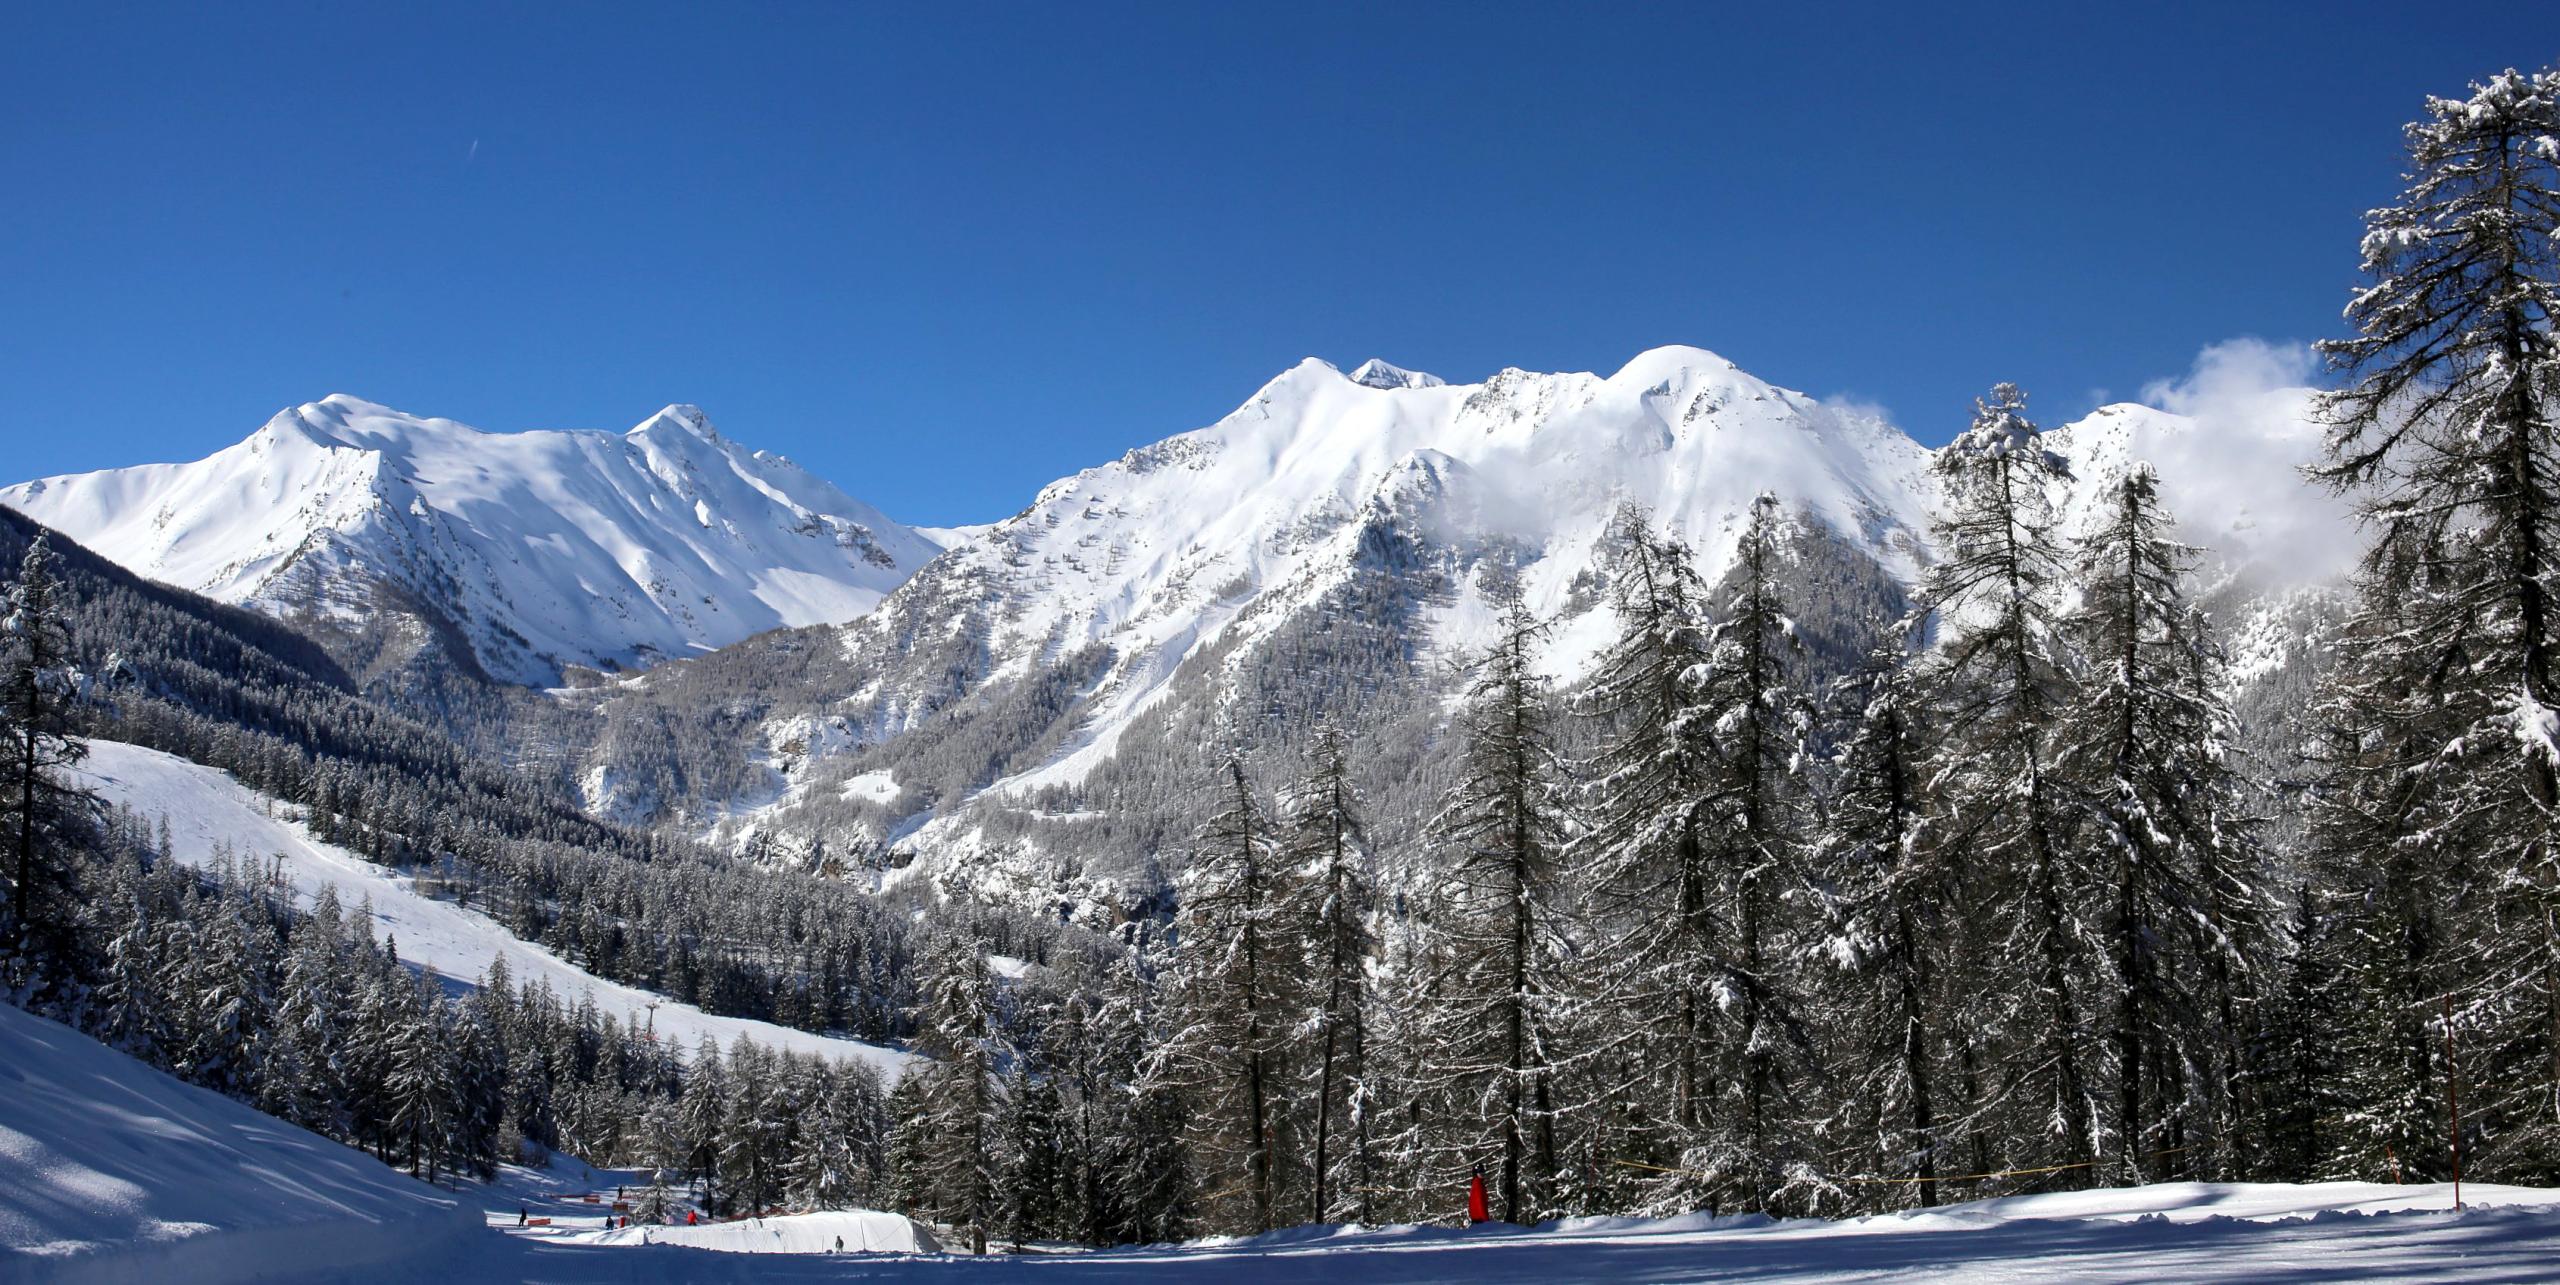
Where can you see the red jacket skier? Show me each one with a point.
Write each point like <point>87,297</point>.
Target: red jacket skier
<point>1476,1212</point>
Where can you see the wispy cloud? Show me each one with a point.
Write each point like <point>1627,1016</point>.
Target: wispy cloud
<point>2235,480</point>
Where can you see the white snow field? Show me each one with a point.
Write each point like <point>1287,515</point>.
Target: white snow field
<point>112,1171</point>
<point>206,807</point>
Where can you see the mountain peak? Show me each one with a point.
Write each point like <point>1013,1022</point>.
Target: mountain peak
<point>682,417</point>
<point>1375,373</point>
<point>669,541</point>
<point>1654,365</point>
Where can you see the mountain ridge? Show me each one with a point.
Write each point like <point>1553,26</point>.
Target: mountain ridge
<point>520,555</point>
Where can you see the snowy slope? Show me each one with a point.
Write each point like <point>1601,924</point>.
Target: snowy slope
<point>1158,550</point>
<point>205,807</point>
<point>112,1171</point>
<point>2236,489</point>
<point>534,550</point>
<point>1210,537</point>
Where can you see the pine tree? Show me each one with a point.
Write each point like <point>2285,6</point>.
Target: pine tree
<point>1330,899</point>
<point>125,1006</point>
<point>41,814</point>
<point>701,1114</point>
<point>1650,849</point>
<point>957,1105</point>
<point>1890,915</point>
<point>2299,1064</point>
<point>656,1202</point>
<point>2160,819</point>
<point>1760,720</point>
<point>419,1092</point>
<point>1031,1157</point>
<point>1501,927</point>
<point>1998,684</point>
<point>1145,1181</point>
<point>1227,1007</point>
<point>2443,767</point>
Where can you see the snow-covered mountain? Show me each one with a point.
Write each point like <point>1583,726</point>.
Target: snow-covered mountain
<point>522,553</point>
<point>1323,550</point>
<point>1211,538</point>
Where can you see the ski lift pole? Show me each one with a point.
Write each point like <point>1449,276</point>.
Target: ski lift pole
<point>2453,1099</point>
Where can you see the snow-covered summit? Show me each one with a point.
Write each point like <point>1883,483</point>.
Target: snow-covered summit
<point>529,551</point>
<point>1212,538</point>
<point>1374,373</point>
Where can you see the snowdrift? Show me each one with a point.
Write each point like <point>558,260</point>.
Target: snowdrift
<point>862,1230</point>
<point>112,1171</point>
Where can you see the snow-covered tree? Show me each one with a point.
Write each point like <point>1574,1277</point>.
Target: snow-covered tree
<point>701,1114</point>
<point>1760,719</point>
<point>1330,899</point>
<point>950,1140</point>
<point>1889,915</point>
<point>1695,832</point>
<point>1998,685</point>
<point>39,812</point>
<point>418,1089</point>
<point>1500,930</point>
<point>2161,820</point>
<point>1226,1007</point>
<point>1662,955</point>
<point>2443,758</point>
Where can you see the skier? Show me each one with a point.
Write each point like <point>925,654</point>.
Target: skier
<point>520,1215</point>
<point>1476,1212</point>
<point>692,1216</point>
<point>839,1244</point>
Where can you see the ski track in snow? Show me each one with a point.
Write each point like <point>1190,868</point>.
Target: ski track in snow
<point>205,806</point>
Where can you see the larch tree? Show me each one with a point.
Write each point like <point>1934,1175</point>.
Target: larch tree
<point>1227,1007</point>
<point>2443,767</point>
<point>2160,820</point>
<point>1999,683</point>
<point>1501,925</point>
<point>41,812</point>
<point>1659,954</point>
<point>1889,915</point>
<point>1330,901</point>
<point>1760,719</point>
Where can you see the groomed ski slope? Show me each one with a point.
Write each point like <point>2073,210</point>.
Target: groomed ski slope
<point>206,807</point>
<point>112,1171</point>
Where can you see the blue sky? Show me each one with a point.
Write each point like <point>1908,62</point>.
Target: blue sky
<point>943,254</point>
